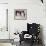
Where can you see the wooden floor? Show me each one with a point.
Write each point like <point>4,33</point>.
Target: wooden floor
<point>27,44</point>
<point>6,44</point>
<point>6,40</point>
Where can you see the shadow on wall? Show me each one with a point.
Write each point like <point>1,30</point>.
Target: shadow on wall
<point>41,35</point>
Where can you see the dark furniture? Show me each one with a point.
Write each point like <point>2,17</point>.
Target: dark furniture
<point>42,1</point>
<point>33,30</point>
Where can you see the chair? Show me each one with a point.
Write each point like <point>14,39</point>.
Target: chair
<point>33,30</point>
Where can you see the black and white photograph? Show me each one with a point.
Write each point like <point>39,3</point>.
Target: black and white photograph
<point>20,14</point>
<point>22,22</point>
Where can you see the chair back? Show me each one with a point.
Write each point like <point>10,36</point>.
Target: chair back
<point>33,28</point>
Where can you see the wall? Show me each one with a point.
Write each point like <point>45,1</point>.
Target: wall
<point>35,13</point>
<point>3,1</point>
<point>3,21</point>
<point>45,29</point>
<point>3,34</point>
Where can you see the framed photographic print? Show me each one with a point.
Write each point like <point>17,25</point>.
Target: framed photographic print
<point>20,14</point>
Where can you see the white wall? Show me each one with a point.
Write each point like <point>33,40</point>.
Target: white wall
<point>3,21</point>
<point>35,13</point>
<point>3,1</point>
